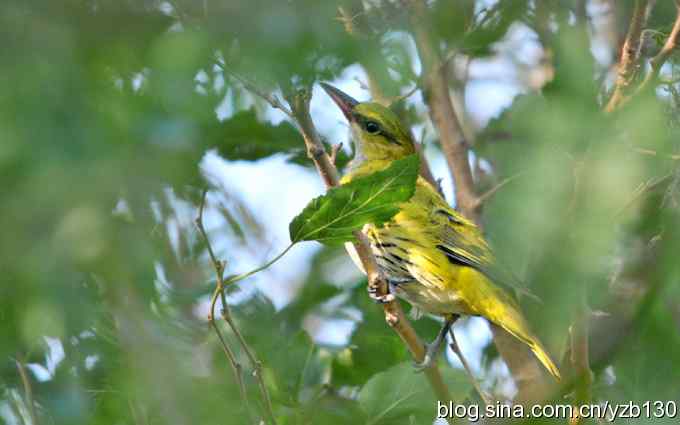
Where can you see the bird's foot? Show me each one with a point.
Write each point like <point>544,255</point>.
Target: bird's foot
<point>432,349</point>
<point>380,298</point>
<point>431,353</point>
<point>415,313</point>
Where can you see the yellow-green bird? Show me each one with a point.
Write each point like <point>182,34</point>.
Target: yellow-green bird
<point>432,256</point>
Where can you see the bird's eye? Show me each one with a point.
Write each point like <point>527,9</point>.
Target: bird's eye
<point>372,127</point>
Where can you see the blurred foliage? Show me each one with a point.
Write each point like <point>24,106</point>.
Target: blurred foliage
<point>243,136</point>
<point>109,106</point>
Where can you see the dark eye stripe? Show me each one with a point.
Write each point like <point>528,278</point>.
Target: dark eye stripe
<point>387,135</point>
<point>390,138</point>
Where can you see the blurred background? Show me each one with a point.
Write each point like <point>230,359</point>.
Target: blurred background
<point>116,114</point>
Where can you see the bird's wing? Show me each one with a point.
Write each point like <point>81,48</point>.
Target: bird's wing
<point>462,243</point>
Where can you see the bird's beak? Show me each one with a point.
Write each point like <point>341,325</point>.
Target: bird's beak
<point>345,102</point>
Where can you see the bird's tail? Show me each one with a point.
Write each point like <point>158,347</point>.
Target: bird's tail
<point>508,316</point>
<point>543,356</point>
<point>520,330</point>
<point>491,302</point>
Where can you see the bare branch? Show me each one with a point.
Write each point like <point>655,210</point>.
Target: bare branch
<point>456,349</point>
<point>484,197</point>
<point>236,367</point>
<point>579,362</point>
<point>334,153</point>
<point>650,152</point>
<point>630,53</point>
<point>362,84</point>
<point>442,113</point>
<point>349,20</point>
<point>401,97</point>
<point>669,46</point>
<point>273,101</point>
<point>299,104</point>
<point>642,189</point>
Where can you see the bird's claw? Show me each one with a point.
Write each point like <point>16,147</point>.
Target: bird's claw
<point>429,358</point>
<point>421,366</point>
<point>380,298</point>
<point>432,349</point>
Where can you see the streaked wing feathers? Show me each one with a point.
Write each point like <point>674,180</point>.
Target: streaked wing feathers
<point>462,243</point>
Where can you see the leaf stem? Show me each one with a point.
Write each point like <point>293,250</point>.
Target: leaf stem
<point>226,315</point>
<point>236,278</point>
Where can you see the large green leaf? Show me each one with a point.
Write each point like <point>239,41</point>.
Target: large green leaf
<point>375,198</point>
<point>402,396</point>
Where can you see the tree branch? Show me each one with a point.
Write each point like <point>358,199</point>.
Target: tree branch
<point>484,197</point>
<point>442,113</point>
<point>671,44</point>
<point>630,53</point>
<point>650,152</point>
<point>299,105</point>
<point>642,189</point>
<point>334,152</point>
<point>394,315</point>
<point>273,101</point>
<point>522,364</point>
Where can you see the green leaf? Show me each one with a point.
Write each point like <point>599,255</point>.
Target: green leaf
<point>375,198</point>
<point>402,396</point>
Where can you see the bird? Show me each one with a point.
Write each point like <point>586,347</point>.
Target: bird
<point>431,255</point>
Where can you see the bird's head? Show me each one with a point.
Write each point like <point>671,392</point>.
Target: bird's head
<point>378,132</point>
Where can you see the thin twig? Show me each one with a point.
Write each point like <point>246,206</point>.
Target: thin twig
<point>28,391</point>
<point>273,101</point>
<point>219,267</point>
<point>456,349</point>
<point>349,20</point>
<point>669,46</point>
<point>630,53</point>
<point>334,152</point>
<point>254,361</point>
<point>577,363</point>
<point>199,223</point>
<point>642,189</point>
<point>670,81</point>
<point>670,197</point>
<point>486,196</point>
<point>579,360</point>
<point>362,84</point>
<point>650,152</point>
<point>577,171</point>
<point>401,97</point>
